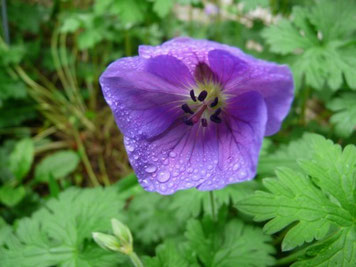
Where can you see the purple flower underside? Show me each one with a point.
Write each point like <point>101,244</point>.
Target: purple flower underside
<point>194,112</point>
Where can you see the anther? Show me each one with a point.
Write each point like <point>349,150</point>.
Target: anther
<point>192,95</point>
<point>202,95</point>
<point>188,122</point>
<point>217,112</point>
<point>204,122</point>
<point>215,119</point>
<point>215,102</point>
<point>187,109</point>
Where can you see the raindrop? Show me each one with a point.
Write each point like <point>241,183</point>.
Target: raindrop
<point>163,176</point>
<point>130,148</point>
<point>172,154</point>
<point>235,167</point>
<point>151,169</point>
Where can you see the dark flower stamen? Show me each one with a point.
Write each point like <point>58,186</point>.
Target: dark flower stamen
<point>217,112</point>
<point>188,122</point>
<point>215,119</point>
<point>187,109</point>
<point>204,122</point>
<point>192,95</point>
<point>215,102</point>
<point>202,95</point>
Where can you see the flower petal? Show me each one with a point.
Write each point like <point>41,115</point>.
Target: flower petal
<point>207,158</point>
<point>240,138</point>
<point>143,102</point>
<point>189,51</point>
<point>274,82</point>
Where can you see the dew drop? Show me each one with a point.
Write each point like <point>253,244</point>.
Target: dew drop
<point>163,176</point>
<point>151,169</point>
<point>235,167</point>
<point>130,148</point>
<point>172,154</point>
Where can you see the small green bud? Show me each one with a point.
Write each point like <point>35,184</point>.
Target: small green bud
<point>123,233</point>
<point>107,242</point>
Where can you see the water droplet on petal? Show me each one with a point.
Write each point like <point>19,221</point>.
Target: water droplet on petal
<point>151,169</point>
<point>172,154</point>
<point>235,167</point>
<point>130,148</point>
<point>163,176</point>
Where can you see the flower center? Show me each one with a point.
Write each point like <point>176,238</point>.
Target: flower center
<point>205,104</point>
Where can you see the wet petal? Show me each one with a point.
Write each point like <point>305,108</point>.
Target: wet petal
<point>274,82</point>
<point>182,157</point>
<point>189,51</point>
<point>204,157</point>
<point>171,70</point>
<point>144,104</point>
<point>240,138</point>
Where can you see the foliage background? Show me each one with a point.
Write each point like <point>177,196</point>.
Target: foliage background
<point>64,172</point>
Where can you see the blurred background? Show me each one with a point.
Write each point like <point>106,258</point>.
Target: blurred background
<point>56,130</point>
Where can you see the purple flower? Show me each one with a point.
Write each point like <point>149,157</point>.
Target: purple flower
<point>194,112</point>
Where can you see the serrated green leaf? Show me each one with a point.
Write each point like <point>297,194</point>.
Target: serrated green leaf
<point>21,158</point>
<point>59,165</point>
<point>151,218</point>
<point>344,118</point>
<point>310,204</point>
<point>316,38</point>
<point>171,254</point>
<point>60,233</point>
<point>233,244</point>
<point>338,250</point>
<point>286,156</point>
<point>199,201</point>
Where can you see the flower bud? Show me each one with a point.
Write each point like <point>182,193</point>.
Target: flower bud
<point>123,233</point>
<point>107,242</point>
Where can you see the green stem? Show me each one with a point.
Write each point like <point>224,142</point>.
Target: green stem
<point>135,259</point>
<point>306,96</point>
<point>212,204</point>
<point>85,159</point>
<point>291,258</point>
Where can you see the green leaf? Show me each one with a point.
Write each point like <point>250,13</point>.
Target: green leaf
<point>338,250</point>
<point>233,244</point>
<point>199,201</point>
<point>60,232</point>
<point>21,158</point>
<point>171,254</point>
<point>286,156</point>
<point>151,218</point>
<point>163,7</point>
<point>319,43</point>
<point>11,196</point>
<point>344,118</point>
<point>59,164</point>
<point>310,204</point>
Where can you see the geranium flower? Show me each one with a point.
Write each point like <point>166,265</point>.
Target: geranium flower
<point>194,112</point>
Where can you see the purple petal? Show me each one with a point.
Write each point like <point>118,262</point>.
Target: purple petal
<point>274,82</point>
<point>226,66</point>
<point>171,70</point>
<point>144,104</point>
<point>207,158</point>
<point>239,139</point>
<point>189,51</point>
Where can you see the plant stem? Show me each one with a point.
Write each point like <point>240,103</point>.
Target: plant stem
<point>85,159</point>
<point>212,204</point>
<point>135,259</point>
<point>291,258</point>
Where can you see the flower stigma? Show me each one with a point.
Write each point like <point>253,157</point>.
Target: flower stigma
<point>204,104</point>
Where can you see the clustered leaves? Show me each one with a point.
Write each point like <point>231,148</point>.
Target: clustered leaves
<point>319,41</point>
<point>316,204</point>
